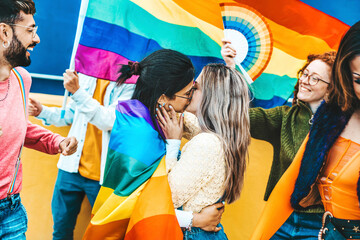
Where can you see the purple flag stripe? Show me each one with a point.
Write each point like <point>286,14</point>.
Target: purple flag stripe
<point>107,68</point>
<point>135,108</point>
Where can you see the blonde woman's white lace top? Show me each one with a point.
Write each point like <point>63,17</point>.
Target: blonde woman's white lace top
<point>191,126</point>
<point>197,178</point>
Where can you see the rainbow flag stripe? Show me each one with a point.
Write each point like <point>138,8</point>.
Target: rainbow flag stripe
<point>117,31</point>
<point>134,201</point>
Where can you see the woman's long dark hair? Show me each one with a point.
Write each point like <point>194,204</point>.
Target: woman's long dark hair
<point>342,91</point>
<point>162,72</point>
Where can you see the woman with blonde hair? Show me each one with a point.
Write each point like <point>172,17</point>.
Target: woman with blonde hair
<point>212,164</point>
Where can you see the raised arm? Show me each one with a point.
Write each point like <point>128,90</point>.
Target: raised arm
<point>265,124</point>
<point>228,53</point>
<point>102,117</point>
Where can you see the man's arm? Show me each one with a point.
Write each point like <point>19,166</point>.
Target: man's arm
<point>43,140</point>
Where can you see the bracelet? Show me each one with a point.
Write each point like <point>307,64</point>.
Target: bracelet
<point>190,224</point>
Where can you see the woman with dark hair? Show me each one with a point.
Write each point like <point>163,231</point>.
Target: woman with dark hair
<point>163,75</point>
<point>212,164</point>
<point>326,168</point>
<point>286,127</point>
<point>137,147</point>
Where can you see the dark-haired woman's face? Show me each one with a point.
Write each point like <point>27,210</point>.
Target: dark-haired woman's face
<point>197,96</point>
<point>180,100</point>
<point>355,71</point>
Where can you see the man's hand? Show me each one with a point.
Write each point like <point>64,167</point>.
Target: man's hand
<point>209,217</point>
<point>228,53</point>
<point>71,81</point>
<point>35,107</point>
<point>68,146</point>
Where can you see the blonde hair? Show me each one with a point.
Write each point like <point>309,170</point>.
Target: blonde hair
<point>224,110</point>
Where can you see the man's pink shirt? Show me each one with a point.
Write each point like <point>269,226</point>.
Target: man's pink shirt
<point>16,128</point>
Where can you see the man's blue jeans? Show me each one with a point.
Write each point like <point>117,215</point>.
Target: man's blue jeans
<point>300,226</point>
<point>13,219</point>
<point>69,192</point>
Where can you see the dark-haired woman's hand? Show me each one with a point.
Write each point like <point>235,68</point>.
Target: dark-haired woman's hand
<point>209,217</point>
<point>170,125</point>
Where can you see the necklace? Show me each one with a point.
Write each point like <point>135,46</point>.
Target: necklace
<point>7,91</point>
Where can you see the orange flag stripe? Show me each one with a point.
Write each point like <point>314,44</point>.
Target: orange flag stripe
<point>209,13</point>
<point>278,207</point>
<point>110,231</point>
<point>296,44</point>
<point>156,189</point>
<point>148,229</point>
<point>148,216</point>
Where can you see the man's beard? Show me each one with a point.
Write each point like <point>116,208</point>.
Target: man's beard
<point>16,54</point>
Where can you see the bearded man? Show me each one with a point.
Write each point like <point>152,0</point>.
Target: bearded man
<point>18,38</point>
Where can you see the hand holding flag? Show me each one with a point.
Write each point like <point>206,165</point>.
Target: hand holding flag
<point>71,81</point>
<point>228,53</point>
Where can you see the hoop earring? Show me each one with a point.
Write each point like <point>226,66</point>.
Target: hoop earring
<point>8,44</point>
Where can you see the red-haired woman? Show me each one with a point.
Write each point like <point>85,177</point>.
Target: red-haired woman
<point>286,128</point>
<point>326,168</point>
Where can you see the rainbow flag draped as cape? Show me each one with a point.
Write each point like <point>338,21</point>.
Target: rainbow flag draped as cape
<point>117,31</point>
<point>134,201</point>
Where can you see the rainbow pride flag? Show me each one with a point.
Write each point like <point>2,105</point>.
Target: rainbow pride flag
<point>134,201</point>
<point>116,31</point>
<point>298,28</point>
